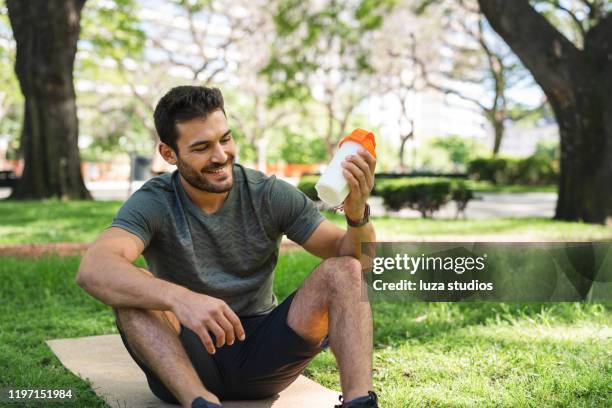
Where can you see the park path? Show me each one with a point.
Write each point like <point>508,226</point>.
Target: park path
<point>486,206</point>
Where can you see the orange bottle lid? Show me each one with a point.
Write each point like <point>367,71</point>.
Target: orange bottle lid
<point>364,138</point>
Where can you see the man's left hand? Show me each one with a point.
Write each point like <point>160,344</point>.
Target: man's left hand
<point>358,170</point>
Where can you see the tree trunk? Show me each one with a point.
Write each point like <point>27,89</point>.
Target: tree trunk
<point>46,33</point>
<point>498,132</point>
<point>585,175</point>
<point>578,85</point>
<point>403,141</point>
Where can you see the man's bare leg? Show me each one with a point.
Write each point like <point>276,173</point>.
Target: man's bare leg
<point>153,336</point>
<point>330,299</point>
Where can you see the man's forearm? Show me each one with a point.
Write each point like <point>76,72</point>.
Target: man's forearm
<point>117,283</point>
<point>350,245</point>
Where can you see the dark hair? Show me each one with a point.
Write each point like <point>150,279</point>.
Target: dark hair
<point>181,104</point>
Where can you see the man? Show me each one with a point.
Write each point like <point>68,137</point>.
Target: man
<point>204,325</point>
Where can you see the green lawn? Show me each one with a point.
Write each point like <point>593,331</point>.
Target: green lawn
<point>82,221</point>
<point>516,229</point>
<point>54,221</point>
<point>426,354</point>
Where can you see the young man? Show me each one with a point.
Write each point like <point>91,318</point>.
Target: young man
<point>204,325</point>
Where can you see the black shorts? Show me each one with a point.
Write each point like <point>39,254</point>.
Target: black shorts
<point>270,358</point>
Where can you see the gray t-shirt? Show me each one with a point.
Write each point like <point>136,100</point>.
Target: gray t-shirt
<point>230,254</point>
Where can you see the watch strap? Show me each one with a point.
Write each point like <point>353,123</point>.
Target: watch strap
<point>360,223</point>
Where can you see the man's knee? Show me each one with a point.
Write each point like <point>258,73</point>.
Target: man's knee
<point>125,316</point>
<point>342,274</point>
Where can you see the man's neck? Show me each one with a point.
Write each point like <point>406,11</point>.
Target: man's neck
<point>206,201</point>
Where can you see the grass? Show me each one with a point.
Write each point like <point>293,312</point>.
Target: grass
<point>426,354</point>
<point>499,228</point>
<point>52,221</point>
<point>81,221</point>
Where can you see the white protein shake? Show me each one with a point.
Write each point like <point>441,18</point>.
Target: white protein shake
<point>332,187</point>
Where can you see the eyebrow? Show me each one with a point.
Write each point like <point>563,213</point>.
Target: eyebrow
<point>201,142</point>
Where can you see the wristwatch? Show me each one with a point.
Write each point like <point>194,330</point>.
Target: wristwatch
<point>364,220</point>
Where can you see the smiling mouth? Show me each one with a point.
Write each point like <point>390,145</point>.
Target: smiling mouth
<point>218,170</point>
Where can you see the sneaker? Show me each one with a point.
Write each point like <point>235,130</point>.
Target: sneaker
<point>368,401</point>
<point>202,403</point>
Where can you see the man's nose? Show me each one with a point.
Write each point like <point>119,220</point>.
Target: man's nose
<point>219,155</point>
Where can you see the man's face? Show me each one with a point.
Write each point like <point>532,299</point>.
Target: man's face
<point>206,153</point>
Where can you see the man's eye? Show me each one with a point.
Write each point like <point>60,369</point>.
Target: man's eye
<point>227,139</point>
<point>200,149</point>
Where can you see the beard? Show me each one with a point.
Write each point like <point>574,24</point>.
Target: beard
<point>203,180</point>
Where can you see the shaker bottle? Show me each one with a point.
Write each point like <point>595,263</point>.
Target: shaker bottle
<point>332,187</point>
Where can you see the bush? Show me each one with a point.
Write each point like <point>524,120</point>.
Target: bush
<point>461,195</point>
<point>307,186</point>
<point>534,170</point>
<point>493,170</point>
<point>425,195</point>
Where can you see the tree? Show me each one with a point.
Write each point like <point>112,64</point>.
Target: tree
<point>321,55</point>
<point>46,34</point>
<point>397,73</point>
<point>191,42</point>
<point>460,150</point>
<point>396,52</point>
<point>114,118</point>
<point>578,84</point>
<point>478,60</point>
<point>248,109</point>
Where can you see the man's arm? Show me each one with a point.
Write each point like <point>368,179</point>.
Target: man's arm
<point>107,273</point>
<point>328,240</point>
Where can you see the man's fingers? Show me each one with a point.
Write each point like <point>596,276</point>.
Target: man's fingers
<point>219,333</point>
<point>358,174</point>
<point>227,328</point>
<point>371,160</point>
<point>352,182</point>
<point>206,340</point>
<point>235,322</point>
<point>361,162</point>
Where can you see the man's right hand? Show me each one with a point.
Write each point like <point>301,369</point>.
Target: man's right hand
<point>202,313</point>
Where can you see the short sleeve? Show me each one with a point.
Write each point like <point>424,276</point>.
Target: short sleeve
<point>295,214</point>
<point>142,215</point>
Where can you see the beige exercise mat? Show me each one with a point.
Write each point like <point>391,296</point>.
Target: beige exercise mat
<point>105,362</point>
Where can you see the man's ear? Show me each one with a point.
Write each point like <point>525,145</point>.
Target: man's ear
<point>167,153</point>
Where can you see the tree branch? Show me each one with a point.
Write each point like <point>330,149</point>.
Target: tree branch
<point>548,58</point>
<point>577,22</point>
